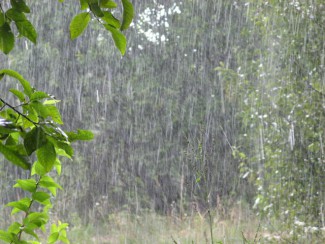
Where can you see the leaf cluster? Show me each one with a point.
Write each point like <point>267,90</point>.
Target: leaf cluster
<point>31,130</point>
<point>101,10</point>
<point>15,15</point>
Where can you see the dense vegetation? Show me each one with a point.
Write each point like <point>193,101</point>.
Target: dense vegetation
<point>30,128</point>
<point>214,102</point>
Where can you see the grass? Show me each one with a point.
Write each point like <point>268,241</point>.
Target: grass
<point>238,226</point>
<point>152,228</point>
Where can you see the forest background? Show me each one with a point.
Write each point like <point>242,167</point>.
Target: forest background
<point>216,105</point>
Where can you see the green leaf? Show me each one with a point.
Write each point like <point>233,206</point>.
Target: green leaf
<point>63,226</point>
<point>18,94</point>
<point>22,204</point>
<point>27,87</point>
<point>55,134</point>
<point>64,239</point>
<point>25,201</point>
<point>32,115</point>
<point>128,14</point>
<point>51,101</point>
<point>118,37</point>
<point>40,109</point>
<point>3,136</point>
<point>21,242</point>
<point>34,139</point>
<point>54,113</point>
<point>53,237</point>
<point>45,111</point>
<point>83,4</point>
<point>63,153</point>
<point>20,5</point>
<point>38,169</point>
<point>48,183</point>
<point>6,237</point>
<point>15,210</point>
<point>111,20</point>
<point>7,127</point>
<point>14,228</point>
<point>63,149</point>
<point>17,148</point>
<point>41,197</point>
<point>38,95</point>
<point>46,156</point>
<point>54,228</point>
<point>2,19</point>
<point>107,4</point>
<point>27,30</point>
<point>58,166</point>
<point>31,226</point>
<point>14,158</point>
<point>27,185</point>
<point>78,24</point>
<point>94,7</point>
<point>13,139</point>
<point>15,15</point>
<point>30,231</point>
<point>7,39</point>
<point>83,135</point>
<point>47,207</point>
<point>36,218</point>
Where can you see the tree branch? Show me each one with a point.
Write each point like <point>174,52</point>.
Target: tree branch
<point>18,112</point>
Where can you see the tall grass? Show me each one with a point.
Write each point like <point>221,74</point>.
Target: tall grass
<point>151,228</point>
<point>238,225</point>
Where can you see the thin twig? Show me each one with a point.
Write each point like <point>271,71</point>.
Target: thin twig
<point>244,238</point>
<point>28,211</point>
<point>210,223</point>
<point>175,242</point>
<point>2,107</point>
<point>21,114</point>
<point>257,231</point>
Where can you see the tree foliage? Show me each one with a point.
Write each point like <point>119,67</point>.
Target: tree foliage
<point>31,136</point>
<point>280,150</point>
<point>15,15</point>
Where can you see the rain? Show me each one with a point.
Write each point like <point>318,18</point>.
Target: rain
<point>210,129</point>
